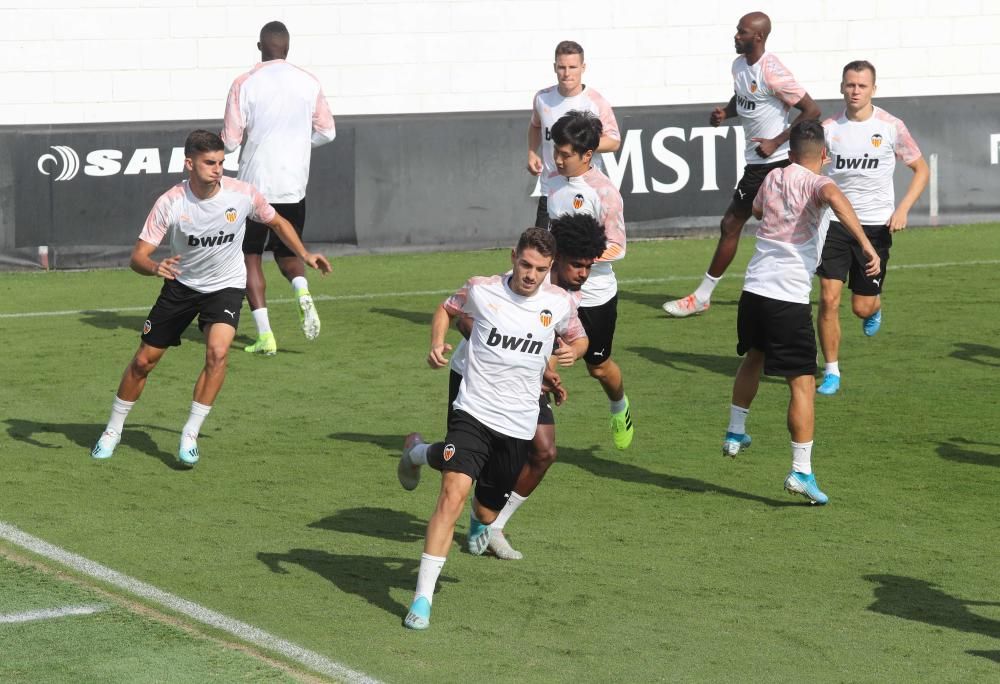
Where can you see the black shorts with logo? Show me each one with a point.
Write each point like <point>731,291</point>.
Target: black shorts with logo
<point>492,459</point>
<point>753,178</point>
<point>782,330</point>
<point>843,259</point>
<point>177,306</point>
<point>599,323</point>
<point>257,234</point>
<point>545,414</point>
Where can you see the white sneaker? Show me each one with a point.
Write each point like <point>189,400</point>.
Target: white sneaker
<point>688,306</point>
<point>501,548</point>
<point>308,317</point>
<point>106,444</point>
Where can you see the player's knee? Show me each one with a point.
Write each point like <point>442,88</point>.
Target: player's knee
<point>864,308</point>
<point>730,226</point>
<point>830,300</point>
<point>543,455</point>
<point>599,371</point>
<point>216,357</point>
<point>142,365</point>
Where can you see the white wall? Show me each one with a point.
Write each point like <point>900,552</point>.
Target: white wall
<point>131,60</point>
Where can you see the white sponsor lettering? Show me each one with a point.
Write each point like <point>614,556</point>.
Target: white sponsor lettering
<point>144,160</point>
<point>672,160</point>
<point>709,134</point>
<point>108,162</point>
<point>630,151</point>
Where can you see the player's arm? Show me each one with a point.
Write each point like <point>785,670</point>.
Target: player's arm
<point>841,206</point>
<point>288,235</point>
<point>720,114</point>
<point>324,130</point>
<point>808,109</point>
<point>233,121</point>
<point>142,261</point>
<point>921,174</point>
<point>463,324</point>
<point>440,322</point>
<point>535,164</point>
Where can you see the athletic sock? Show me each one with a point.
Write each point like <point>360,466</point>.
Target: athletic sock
<point>620,405</point>
<point>261,321</point>
<point>197,416</point>
<point>119,411</point>
<point>707,287</point>
<point>427,576</point>
<point>514,502</point>
<point>738,419</point>
<point>300,286</point>
<point>832,368</point>
<point>802,457</point>
<point>418,454</point>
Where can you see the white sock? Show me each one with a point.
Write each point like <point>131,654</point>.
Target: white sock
<point>119,411</point>
<point>618,406</point>
<point>300,285</point>
<point>802,457</point>
<point>418,454</point>
<point>261,321</point>
<point>197,416</point>
<point>514,502</point>
<point>737,419</point>
<point>707,287</point>
<point>427,576</point>
<point>832,368</point>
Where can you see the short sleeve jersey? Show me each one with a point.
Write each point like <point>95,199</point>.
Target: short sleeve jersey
<point>284,114</point>
<point>765,92</point>
<point>863,158</point>
<point>549,106</point>
<point>788,239</point>
<point>207,233</point>
<point>508,349</point>
<point>593,193</point>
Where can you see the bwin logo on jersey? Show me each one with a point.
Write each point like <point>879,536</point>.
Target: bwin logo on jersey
<point>68,161</point>
<point>577,201</point>
<point>514,343</point>
<point>877,140</point>
<point>211,240</point>
<point>864,162</point>
<point>746,103</point>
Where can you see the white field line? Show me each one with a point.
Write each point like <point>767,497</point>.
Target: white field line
<point>241,630</point>
<point>418,293</point>
<point>50,613</point>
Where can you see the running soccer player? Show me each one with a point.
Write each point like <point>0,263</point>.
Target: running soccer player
<point>865,141</point>
<point>774,321</point>
<point>515,319</point>
<point>204,219</point>
<point>283,113</point>
<point>579,187</point>
<point>549,105</point>
<point>764,92</point>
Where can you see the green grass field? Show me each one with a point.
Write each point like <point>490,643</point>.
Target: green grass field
<point>665,562</point>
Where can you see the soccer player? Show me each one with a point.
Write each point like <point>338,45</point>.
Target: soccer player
<point>203,218</point>
<point>570,93</point>
<point>865,142</point>
<point>764,92</point>
<point>283,113</point>
<point>579,187</point>
<point>515,319</point>
<point>774,321</point>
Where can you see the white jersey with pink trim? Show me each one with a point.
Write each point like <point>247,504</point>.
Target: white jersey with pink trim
<point>863,158</point>
<point>507,351</point>
<point>593,193</point>
<point>549,106</point>
<point>765,91</point>
<point>788,239</point>
<point>207,233</point>
<point>284,113</point>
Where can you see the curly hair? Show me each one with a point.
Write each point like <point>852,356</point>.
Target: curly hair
<point>578,236</point>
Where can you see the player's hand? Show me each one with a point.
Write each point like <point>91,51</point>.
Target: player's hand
<point>535,165</point>
<point>168,267</point>
<point>874,264</point>
<point>552,383</point>
<point>765,146</point>
<point>318,261</point>
<point>717,116</point>
<point>565,355</point>
<point>436,358</point>
<point>897,221</point>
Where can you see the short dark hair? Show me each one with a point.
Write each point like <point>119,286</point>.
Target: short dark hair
<point>569,47</point>
<point>538,239</point>
<point>274,28</point>
<point>582,130</point>
<point>202,141</point>
<point>578,236</point>
<point>805,134</point>
<point>858,65</point>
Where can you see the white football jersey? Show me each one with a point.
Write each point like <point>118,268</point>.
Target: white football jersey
<point>863,158</point>
<point>284,113</point>
<point>508,350</point>
<point>593,193</point>
<point>549,106</point>
<point>765,91</point>
<point>207,233</point>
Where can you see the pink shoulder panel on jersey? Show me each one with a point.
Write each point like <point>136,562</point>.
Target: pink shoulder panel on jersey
<point>612,214</point>
<point>605,113</point>
<point>906,147</point>
<point>536,118</point>
<point>260,210</point>
<point>455,304</point>
<point>780,81</point>
<point>571,329</point>
<point>233,121</point>
<point>161,215</point>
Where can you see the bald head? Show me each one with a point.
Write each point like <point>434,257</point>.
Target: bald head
<point>274,41</point>
<point>751,35</point>
<point>759,22</point>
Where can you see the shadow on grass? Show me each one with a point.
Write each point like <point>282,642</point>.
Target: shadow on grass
<point>989,655</point>
<point>921,601</point>
<point>626,472</point>
<point>420,318</point>
<point>956,449</point>
<point>369,577</point>
<point>683,361</point>
<point>393,443</point>
<point>977,353</point>
<point>85,436</point>
<point>384,523</point>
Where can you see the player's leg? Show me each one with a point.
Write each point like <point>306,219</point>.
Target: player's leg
<point>294,270</point>
<point>751,328</point>
<point>129,390</point>
<point>599,322</point>
<point>801,421</point>
<point>254,239</point>
<point>492,505</point>
<point>828,323</point>
<point>417,453</point>
<point>866,300</point>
